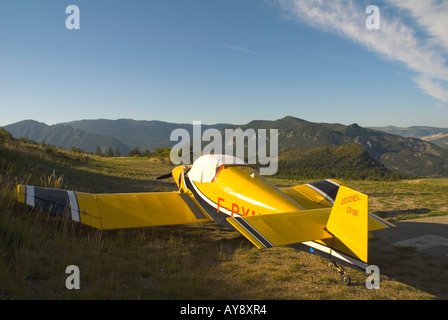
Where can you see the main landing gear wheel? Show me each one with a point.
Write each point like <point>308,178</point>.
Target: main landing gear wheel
<point>345,278</point>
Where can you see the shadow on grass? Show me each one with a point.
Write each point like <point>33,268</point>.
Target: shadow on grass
<point>405,212</point>
<point>103,183</point>
<point>419,262</point>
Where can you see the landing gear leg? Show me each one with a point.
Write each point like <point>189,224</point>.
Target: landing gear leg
<point>345,278</point>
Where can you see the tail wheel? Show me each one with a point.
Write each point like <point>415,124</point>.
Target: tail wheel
<point>345,278</point>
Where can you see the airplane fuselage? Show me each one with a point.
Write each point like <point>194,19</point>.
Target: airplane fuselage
<point>237,190</point>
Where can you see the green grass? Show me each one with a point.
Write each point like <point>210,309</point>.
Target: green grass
<point>182,262</point>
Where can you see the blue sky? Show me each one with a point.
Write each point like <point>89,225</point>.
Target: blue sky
<point>225,61</point>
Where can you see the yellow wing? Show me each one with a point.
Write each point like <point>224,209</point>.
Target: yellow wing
<point>318,194</point>
<point>116,211</point>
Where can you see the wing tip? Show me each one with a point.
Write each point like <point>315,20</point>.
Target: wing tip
<point>384,224</point>
<point>21,192</point>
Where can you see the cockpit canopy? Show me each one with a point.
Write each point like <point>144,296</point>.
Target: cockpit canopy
<point>205,167</point>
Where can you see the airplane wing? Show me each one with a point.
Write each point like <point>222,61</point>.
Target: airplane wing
<point>315,194</point>
<point>115,211</point>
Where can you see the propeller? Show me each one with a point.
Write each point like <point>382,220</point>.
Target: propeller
<point>167,175</point>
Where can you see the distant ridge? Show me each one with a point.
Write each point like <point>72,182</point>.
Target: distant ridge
<point>145,134</point>
<point>404,155</point>
<point>65,136</point>
<point>408,156</point>
<point>438,136</point>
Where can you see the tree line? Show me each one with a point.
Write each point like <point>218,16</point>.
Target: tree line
<point>136,152</point>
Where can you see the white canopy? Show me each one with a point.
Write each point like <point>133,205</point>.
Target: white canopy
<point>204,168</point>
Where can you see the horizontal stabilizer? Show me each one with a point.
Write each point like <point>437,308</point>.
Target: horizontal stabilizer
<point>279,229</point>
<point>376,223</point>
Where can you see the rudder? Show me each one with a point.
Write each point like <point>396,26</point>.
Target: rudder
<point>348,221</point>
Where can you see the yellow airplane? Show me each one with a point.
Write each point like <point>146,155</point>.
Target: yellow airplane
<point>323,217</point>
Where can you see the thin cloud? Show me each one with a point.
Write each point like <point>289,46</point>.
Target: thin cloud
<point>240,49</point>
<point>437,89</point>
<point>431,15</point>
<point>395,40</point>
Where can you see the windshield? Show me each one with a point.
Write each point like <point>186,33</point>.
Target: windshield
<point>204,168</point>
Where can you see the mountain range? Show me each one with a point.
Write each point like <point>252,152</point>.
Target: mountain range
<point>438,136</point>
<point>392,150</point>
<point>87,135</point>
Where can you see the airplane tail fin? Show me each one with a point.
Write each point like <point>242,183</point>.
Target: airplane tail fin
<point>348,222</point>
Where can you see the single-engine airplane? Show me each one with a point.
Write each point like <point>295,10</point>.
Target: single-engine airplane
<point>323,217</point>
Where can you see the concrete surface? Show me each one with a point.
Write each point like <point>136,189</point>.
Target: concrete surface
<point>427,235</point>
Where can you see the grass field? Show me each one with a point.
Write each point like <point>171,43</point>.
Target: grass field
<point>186,262</point>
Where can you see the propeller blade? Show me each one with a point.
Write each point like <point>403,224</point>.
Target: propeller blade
<point>168,175</point>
